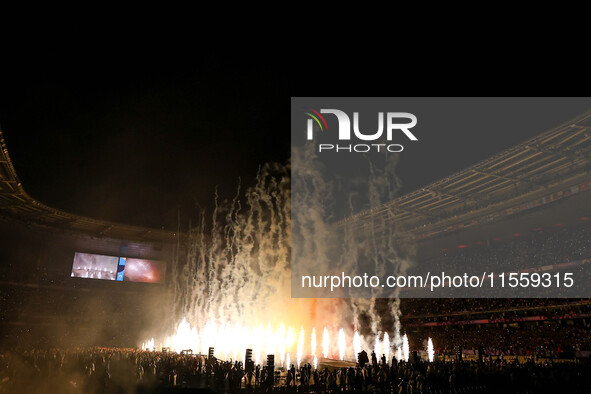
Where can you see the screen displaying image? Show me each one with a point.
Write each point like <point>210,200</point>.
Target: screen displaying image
<point>140,270</point>
<point>94,266</point>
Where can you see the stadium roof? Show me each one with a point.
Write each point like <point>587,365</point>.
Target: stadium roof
<point>555,159</point>
<point>16,203</point>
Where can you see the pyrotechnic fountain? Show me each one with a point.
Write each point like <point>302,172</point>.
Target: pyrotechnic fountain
<point>430,350</point>
<point>300,351</point>
<point>377,346</point>
<point>325,342</point>
<point>342,344</point>
<point>231,341</point>
<point>313,342</point>
<point>405,348</point>
<point>386,346</point>
<point>356,344</point>
<point>233,279</point>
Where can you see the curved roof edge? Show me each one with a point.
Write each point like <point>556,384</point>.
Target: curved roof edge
<point>555,158</point>
<point>16,203</point>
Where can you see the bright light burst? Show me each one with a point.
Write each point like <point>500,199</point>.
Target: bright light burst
<point>280,340</point>
<point>430,350</point>
<point>313,342</point>
<point>300,350</point>
<point>230,342</point>
<point>377,346</point>
<point>399,353</point>
<point>405,348</point>
<point>386,346</point>
<point>325,343</point>
<point>342,344</point>
<point>356,344</point>
<point>270,340</point>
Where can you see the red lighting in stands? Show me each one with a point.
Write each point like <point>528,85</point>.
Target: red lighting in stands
<point>462,246</point>
<point>585,218</point>
<point>559,224</point>
<point>517,235</point>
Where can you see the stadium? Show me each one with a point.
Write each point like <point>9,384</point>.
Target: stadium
<point>527,206</point>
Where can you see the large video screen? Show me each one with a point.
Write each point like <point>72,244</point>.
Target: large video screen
<point>118,268</point>
<point>141,270</point>
<point>94,266</point>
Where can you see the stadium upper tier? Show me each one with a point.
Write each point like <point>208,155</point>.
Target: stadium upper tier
<point>556,159</point>
<point>16,203</point>
<point>529,173</point>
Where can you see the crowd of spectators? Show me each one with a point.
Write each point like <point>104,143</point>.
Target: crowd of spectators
<point>543,340</point>
<point>539,248</point>
<point>102,370</point>
<point>520,253</point>
<point>548,327</point>
<point>459,309</point>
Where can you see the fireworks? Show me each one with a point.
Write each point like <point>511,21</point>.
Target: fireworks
<point>257,345</point>
<point>325,343</point>
<point>230,285</point>
<point>300,350</point>
<point>313,342</point>
<point>341,343</point>
<point>280,340</point>
<point>270,343</point>
<point>405,348</point>
<point>399,353</point>
<point>386,346</point>
<point>356,344</point>
<point>148,345</point>
<point>231,341</point>
<point>430,350</point>
<point>377,346</point>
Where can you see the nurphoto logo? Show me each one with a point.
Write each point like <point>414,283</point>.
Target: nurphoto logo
<point>393,128</point>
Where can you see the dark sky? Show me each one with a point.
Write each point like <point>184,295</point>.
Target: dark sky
<point>131,142</point>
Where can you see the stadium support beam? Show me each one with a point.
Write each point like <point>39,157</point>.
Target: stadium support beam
<point>508,178</point>
<point>411,211</point>
<point>464,199</point>
<point>569,155</point>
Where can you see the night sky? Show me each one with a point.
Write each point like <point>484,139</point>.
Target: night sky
<point>134,142</point>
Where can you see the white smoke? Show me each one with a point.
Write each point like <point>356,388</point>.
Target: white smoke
<point>236,268</point>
